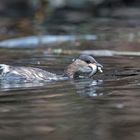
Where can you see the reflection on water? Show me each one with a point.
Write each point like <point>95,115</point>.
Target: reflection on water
<point>106,107</point>
<point>88,88</point>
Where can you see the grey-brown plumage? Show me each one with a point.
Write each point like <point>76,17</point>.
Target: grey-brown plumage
<point>83,66</point>
<point>73,70</point>
<point>24,73</point>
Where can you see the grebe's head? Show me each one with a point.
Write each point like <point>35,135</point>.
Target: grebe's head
<point>83,66</point>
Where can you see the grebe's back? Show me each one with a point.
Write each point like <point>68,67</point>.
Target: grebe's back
<point>10,73</point>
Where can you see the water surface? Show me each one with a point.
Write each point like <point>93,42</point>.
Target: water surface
<point>105,107</point>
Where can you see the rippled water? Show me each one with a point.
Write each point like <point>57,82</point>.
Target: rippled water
<point>104,108</point>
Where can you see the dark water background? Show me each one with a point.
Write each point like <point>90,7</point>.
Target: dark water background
<point>104,108</point>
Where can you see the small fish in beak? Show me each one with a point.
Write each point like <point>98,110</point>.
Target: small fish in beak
<point>100,70</point>
<point>99,67</point>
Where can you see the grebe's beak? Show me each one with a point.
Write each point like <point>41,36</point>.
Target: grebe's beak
<point>95,68</point>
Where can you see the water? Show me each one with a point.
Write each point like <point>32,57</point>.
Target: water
<point>106,107</point>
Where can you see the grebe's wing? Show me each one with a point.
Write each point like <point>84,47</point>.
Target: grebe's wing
<point>10,73</point>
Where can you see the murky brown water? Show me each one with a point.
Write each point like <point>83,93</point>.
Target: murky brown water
<point>106,107</point>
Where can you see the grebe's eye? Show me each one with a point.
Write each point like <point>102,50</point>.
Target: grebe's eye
<point>87,61</point>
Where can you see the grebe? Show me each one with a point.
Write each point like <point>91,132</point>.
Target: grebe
<point>83,66</point>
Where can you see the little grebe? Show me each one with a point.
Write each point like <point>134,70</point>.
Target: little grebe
<point>83,66</point>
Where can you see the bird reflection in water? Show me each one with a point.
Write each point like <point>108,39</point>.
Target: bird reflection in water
<point>88,87</point>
